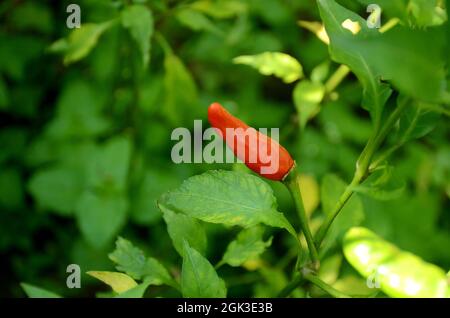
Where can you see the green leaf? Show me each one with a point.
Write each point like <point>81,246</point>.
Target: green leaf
<point>382,185</point>
<point>144,210</point>
<point>340,124</point>
<point>80,42</point>
<point>427,12</point>
<point>133,262</point>
<point>180,91</point>
<point>197,21</point>
<point>320,72</point>
<point>119,282</point>
<point>11,188</point>
<point>184,228</point>
<point>273,280</point>
<point>220,9</point>
<point>420,13</point>
<point>307,98</point>
<point>37,292</point>
<point>15,58</point>
<point>330,268</point>
<point>100,216</point>
<point>416,122</point>
<point>150,93</point>
<point>31,16</point>
<point>317,29</point>
<point>4,94</point>
<point>110,164</point>
<point>248,245</point>
<point>231,198</point>
<point>138,19</point>
<point>198,277</point>
<point>13,142</point>
<point>57,188</point>
<point>411,59</point>
<point>412,12</point>
<point>135,292</point>
<point>344,49</point>
<point>352,214</point>
<point>279,64</point>
<point>78,113</point>
<point>399,273</point>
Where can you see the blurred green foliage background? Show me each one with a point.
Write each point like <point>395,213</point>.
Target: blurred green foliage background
<point>85,137</point>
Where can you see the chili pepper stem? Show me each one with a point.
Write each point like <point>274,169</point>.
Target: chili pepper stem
<point>293,185</point>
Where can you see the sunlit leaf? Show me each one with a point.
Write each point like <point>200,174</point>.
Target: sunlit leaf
<point>133,262</point>
<point>310,193</point>
<point>119,282</point>
<point>398,273</point>
<point>279,64</point>
<point>317,28</point>
<point>135,292</point>
<point>81,41</point>
<point>330,268</point>
<point>320,72</point>
<point>307,98</point>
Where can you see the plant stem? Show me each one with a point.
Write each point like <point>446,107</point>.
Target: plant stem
<point>292,183</point>
<point>337,77</point>
<point>345,196</point>
<point>289,288</point>
<point>301,279</point>
<point>390,122</point>
<point>219,264</point>
<point>389,25</point>
<point>325,287</point>
<point>163,42</point>
<point>362,170</point>
<point>383,156</point>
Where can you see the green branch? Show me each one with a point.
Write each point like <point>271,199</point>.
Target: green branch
<point>325,287</point>
<point>293,284</point>
<point>362,170</point>
<point>293,184</point>
<point>337,77</point>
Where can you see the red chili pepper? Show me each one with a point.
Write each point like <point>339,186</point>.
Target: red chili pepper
<point>259,152</point>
